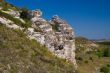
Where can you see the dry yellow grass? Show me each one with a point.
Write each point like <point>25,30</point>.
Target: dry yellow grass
<point>93,66</point>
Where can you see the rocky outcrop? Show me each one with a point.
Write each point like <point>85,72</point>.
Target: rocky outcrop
<point>57,35</point>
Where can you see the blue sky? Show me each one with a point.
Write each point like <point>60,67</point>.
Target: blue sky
<point>89,18</point>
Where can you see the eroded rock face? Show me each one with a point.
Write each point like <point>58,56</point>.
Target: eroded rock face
<point>56,34</point>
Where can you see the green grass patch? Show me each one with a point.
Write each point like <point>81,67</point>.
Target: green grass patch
<point>105,68</point>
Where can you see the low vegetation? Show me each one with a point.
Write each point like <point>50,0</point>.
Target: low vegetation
<point>94,61</point>
<point>24,14</point>
<point>105,68</point>
<point>15,20</point>
<point>103,52</point>
<point>19,54</point>
<point>104,43</point>
<point>7,6</point>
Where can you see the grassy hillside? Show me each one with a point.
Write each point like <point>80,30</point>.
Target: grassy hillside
<point>7,6</point>
<point>93,61</point>
<point>18,54</point>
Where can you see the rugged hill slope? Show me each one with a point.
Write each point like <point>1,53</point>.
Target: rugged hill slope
<point>56,34</point>
<point>91,56</point>
<point>18,54</point>
<point>24,36</point>
<point>85,45</point>
<point>31,44</point>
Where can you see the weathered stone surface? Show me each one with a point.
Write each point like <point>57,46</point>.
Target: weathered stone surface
<point>57,35</point>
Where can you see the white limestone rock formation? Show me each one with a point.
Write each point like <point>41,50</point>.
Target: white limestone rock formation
<point>36,13</point>
<point>13,13</point>
<point>57,35</point>
<point>65,39</point>
<point>9,23</point>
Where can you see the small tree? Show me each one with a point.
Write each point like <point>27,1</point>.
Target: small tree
<point>107,52</point>
<point>24,14</point>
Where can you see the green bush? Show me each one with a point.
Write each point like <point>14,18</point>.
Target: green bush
<point>104,52</point>
<point>105,68</point>
<point>79,58</point>
<point>24,14</point>
<point>55,26</point>
<point>107,52</point>
<point>100,53</point>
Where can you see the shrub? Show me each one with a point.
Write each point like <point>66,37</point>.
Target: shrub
<point>55,26</point>
<point>80,58</point>
<point>103,53</point>
<point>86,61</point>
<point>90,58</point>
<point>16,48</point>
<point>107,52</point>
<point>100,53</point>
<point>24,14</point>
<point>105,68</point>
<point>7,6</point>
